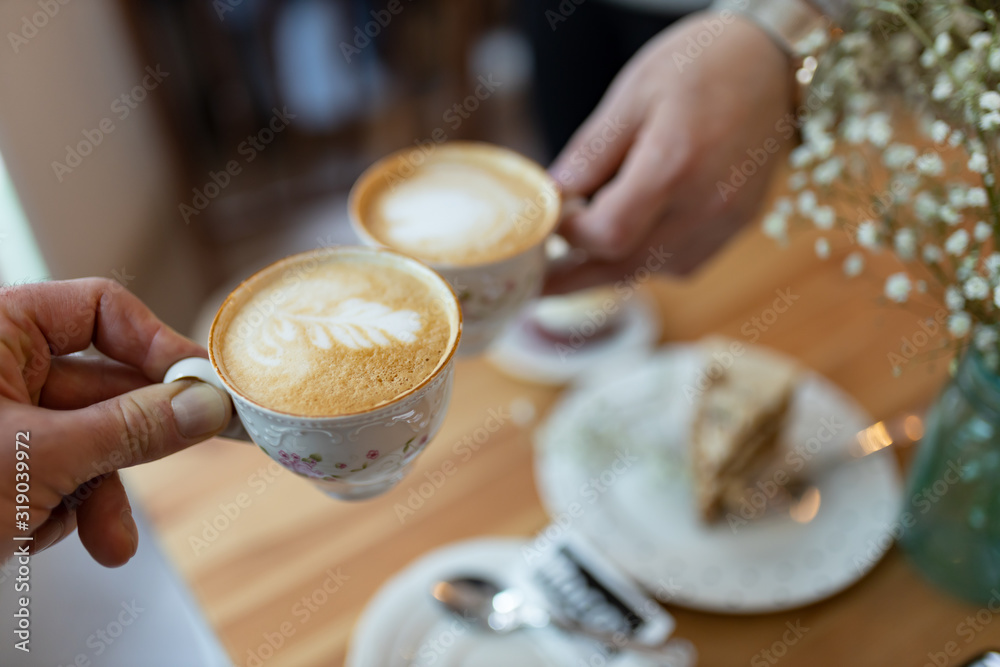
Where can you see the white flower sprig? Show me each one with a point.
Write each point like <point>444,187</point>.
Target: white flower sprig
<point>929,194</point>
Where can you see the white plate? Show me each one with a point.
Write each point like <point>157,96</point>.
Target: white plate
<point>524,355</point>
<point>403,627</point>
<point>640,510</point>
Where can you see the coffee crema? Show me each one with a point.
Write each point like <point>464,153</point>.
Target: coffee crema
<point>334,332</point>
<point>459,204</point>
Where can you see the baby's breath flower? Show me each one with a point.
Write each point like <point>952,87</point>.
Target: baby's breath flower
<point>902,186</point>
<point>964,66</point>
<point>957,242</point>
<point>950,215</point>
<point>966,268</point>
<point>990,121</point>
<point>821,120</point>
<point>784,206</point>
<point>943,87</point>
<point>868,235</point>
<point>978,163</point>
<point>980,41</point>
<point>930,164</point>
<point>879,129</point>
<point>985,337</point>
<point>940,131</point>
<point>828,171</point>
<point>990,100</point>
<point>861,101</point>
<point>976,288</point>
<point>942,44</point>
<point>976,197</point>
<point>812,42</point>
<point>801,156</point>
<point>905,243</point>
<point>928,58</point>
<point>821,144</point>
<point>824,217</point>
<point>996,296</point>
<point>959,324</point>
<point>899,156</point>
<point>982,231</point>
<point>822,248</point>
<point>994,59</point>
<point>775,225</point>
<point>854,129</point>
<point>956,198</point>
<point>855,41</point>
<point>798,180</point>
<point>854,264</point>
<point>992,264</point>
<point>925,206</point>
<point>932,254</point>
<point>806,202</point>
<point>897,287</point>
<point>953,298</point>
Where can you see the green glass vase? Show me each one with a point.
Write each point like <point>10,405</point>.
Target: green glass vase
<point>951,519</point>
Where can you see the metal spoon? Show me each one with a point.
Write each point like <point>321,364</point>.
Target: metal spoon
<point>484,604</point>
<point>793,492</point>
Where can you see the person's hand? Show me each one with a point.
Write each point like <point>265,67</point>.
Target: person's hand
<point>80,419</point>
<point>671,128</point>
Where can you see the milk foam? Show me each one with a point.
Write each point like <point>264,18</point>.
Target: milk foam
<point>324,323</point>
<point>464,205</point>
<point>446,209</point>
<point>337,337</point>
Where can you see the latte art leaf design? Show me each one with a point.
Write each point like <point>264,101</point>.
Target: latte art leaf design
<point>355,323</point>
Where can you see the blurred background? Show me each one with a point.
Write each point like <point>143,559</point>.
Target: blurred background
<point>177,146</point>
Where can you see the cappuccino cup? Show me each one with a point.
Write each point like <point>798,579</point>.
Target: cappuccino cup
<point>339,363</point>
<point>478,214</point>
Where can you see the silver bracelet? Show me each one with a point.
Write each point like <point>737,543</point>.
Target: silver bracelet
<point>787,22</point>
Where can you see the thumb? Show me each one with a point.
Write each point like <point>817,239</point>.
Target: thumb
<point>145,424</point>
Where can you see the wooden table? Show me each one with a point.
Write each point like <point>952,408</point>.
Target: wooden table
<point>282,545</point>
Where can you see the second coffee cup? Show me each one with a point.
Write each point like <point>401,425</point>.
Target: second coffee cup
<point>478,214</point>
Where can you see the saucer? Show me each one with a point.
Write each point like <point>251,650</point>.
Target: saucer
<point>402,626</point>
<point>616,451</point>
<point>523,354</point>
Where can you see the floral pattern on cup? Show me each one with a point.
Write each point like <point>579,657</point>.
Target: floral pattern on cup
<point>495,294</point>
<point>361,449</point>
<point>413,447</point>
<point>306,466</point>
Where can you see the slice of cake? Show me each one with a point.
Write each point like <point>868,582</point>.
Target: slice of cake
<point>737,421</point>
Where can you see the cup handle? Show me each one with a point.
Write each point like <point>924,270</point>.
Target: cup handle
<point>197,368</point>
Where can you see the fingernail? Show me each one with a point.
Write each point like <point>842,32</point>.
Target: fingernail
<point>128,523</point>
<point>47,535</point>
<point>199,410</point>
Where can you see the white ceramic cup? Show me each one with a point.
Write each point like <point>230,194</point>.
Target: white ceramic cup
<point>491,294</point>
<point>354,456</point>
